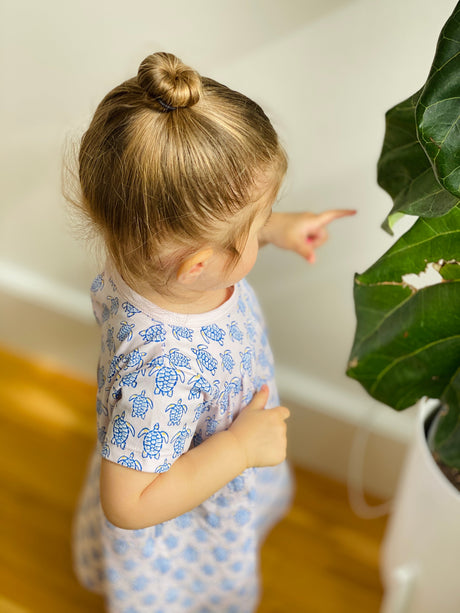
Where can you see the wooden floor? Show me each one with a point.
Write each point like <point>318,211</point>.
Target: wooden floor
<point>320,559</point>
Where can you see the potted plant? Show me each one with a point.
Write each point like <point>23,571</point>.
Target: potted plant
<point>407,340</point>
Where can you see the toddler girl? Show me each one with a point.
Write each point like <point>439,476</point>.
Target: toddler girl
<point>178,174</point>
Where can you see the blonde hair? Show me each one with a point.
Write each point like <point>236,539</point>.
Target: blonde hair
<point>168,156</point>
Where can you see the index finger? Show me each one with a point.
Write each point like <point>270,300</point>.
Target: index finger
<point>333,214</point>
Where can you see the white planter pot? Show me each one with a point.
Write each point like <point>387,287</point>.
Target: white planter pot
<point>420,563</point>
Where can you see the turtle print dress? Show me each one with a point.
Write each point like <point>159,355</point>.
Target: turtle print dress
<point>166,382</point>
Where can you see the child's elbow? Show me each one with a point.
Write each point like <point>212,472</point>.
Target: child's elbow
<point>120,518</point>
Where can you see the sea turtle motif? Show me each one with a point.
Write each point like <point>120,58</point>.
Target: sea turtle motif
<point>153,334</point>
<point>114,304</point>
<point>181,332</point>
<point>176,411</point>
<point>134,359</point>
<point>109,341</point>
<point>100,377</point>
<point>262,359</point>
<point>105,451</point>
<point>129,462</point>
<point>236,386</point>
<point>129,309</point>
<point>224,398</point>
<point>153,441</point>
<point>129,380</point>
<point>246,361</point>
<point>105,312</point>
<point>101,434</point>
<point>201,408</point>
<point>204,359</point>
<point>178,359</point>
<point>199,385</point>
<point>125,333</point>
<point>141,404</point>
<point>98,283</point>
<point>211,425</point>
<point>234,332</point>
<point>178,441</point>
<point>166,380</point>
<point>114,365</point>
<point>212,332</point>
<point>100,408</point>
<point>163,467</point>
<point>250,330</point>
<point>121,430</point>
<point>227,361</point>
<point>241,305</point>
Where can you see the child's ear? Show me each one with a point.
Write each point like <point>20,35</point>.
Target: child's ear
<point>193,266</point>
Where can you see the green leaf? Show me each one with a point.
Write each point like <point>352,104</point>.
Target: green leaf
<point>438,108</point>
<point>407,341</point>
<point>419,165</point>
<point>447,437</point>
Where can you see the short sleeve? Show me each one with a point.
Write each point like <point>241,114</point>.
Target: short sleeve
<point>154,415</point>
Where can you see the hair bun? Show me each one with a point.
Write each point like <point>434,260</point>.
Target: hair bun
<point>166,79</point>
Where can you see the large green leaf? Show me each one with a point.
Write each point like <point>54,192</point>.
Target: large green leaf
<point>447,437</point>
<point>407,342</point>
<point>438,108</point>
<point>419,165</point>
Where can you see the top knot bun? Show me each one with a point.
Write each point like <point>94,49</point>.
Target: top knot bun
<point>166,79</point>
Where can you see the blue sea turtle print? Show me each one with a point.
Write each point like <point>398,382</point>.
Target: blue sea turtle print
<point>98,283</point>
<point>114,366</point>
<point>211,425</point>
<point>153,334</point>
<point>241,305</point>
<point>105,450</point>
<point>129,309</point>
<point>100,408</point>
<point>109,341</point>
<point>246,361</point>
<point>130,462</point>
<point>125,333</point>
<point>235,385</point>
<point>141,404</point>
<point>201,408</point>
<point>182,332</point>
<point>163,467</point>
<point>234,332</point>
<point>178,441</point>
<point>204,359</point>
<point>129,380</point>
<point>166,378</point>
<point>224,398</point>
<point>134,359</point>
<point>121,430</point>
<point>199,385</point>
<point>100,377</point>
<point>228,362</point>
<point>114,304</point>
<point>176,411</point>
<point>105,312</point>
<point>178,359</point>
<point>212,332</point>
<point>197,438</point>
<point>250,330</point>
<point>154,440</point>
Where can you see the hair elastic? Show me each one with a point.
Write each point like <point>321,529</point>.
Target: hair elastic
<point>166,107</point>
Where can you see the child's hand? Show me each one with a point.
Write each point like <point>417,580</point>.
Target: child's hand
<point>301,232</point>
<point>262,432</point>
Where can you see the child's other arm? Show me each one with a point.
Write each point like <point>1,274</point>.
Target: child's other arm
<point>300,232</point>
<point>133,499</point>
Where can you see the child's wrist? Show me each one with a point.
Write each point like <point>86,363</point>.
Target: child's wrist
<point>240,449</point>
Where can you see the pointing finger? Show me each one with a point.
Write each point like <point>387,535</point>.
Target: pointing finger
<point>333,214</point>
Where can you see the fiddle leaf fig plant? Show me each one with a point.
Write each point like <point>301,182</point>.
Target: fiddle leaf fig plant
<point>407,340</point>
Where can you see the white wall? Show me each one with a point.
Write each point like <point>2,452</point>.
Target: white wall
<point>325,71</point>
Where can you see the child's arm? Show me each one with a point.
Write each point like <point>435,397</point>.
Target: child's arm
<point>133,499</point>
<point>300,232</point>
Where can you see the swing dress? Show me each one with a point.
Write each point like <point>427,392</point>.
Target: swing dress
<point>166,382</point>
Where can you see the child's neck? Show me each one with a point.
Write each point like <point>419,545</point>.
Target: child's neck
<point>189,302</point>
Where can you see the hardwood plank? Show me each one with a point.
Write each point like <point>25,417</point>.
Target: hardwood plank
<point>320,558</point>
